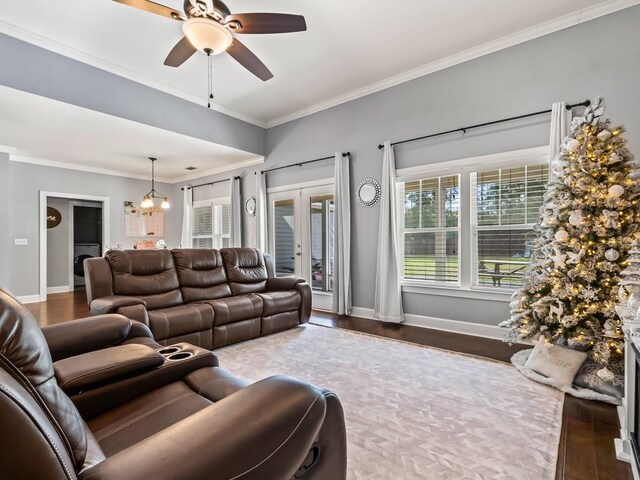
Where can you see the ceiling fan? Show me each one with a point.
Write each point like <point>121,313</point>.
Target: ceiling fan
<point>209,26</point>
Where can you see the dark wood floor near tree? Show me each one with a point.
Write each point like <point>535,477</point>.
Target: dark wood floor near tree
<point>588,428</point>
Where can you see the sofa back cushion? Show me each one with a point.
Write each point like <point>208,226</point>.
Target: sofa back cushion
<point>146,274</point>
<point>24,355</point>
<point>201,274</point>
<point>246,269</point>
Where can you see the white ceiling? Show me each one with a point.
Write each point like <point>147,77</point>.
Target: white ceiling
<point>352,47</point>
<point>40,130</point>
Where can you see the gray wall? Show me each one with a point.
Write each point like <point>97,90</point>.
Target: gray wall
<point>27,180</point>
<point>58,261</point>
<point>39,71</point>
<point>5,220</point>
<point>600,57</point>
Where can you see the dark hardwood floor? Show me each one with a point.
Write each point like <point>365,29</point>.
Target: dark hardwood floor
<point>586,449</point>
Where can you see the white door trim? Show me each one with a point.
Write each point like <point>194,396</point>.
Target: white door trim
<point>42,240</point>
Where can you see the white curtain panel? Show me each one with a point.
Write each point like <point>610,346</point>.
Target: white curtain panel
<point>187,209</point>
<point>560,121</point>
<point>235,233</point>
<point>388,296</point>
<point>342,238</point>
<point>261,212</point>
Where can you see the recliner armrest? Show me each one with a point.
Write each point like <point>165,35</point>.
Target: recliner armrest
<point>111,303</point>
<point>283,283</point>
<point>95,368</point>
<point>280,418</point>
<point>97,401</point>
<point>93,333</point>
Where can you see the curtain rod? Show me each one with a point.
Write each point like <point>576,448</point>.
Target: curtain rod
<point>585,103</point>
<point>346,154</point>
<point>209,183</point>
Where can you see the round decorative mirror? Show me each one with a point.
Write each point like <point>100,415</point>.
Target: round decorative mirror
<point>250,206</point>
<point>368,192</point>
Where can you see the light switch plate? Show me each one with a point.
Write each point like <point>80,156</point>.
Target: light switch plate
<point>20,241</point>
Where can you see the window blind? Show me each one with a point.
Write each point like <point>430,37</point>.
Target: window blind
<point>431,230</point>
<point>211,225</point>
<point>505,207</point>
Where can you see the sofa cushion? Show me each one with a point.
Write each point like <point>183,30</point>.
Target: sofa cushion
<point>246,269</point>
<point>234,309</point>
<point>201,274</point>
<point>180,320</point>
<point>146,274</point>
<point>138,419</point>
<point>25,355</point>
<point>278,302</point>
<point>236,332</point>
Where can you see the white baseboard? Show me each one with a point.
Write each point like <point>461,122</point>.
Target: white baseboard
<point>29,298</point>
<point>60,289</point>
<point>454,326</point>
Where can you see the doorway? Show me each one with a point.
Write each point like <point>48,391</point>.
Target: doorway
<point>301,238</point>
<point>76,228</point>
<point>85,239</point>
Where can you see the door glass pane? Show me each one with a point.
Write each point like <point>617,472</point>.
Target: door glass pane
<point>284,240</point>
<point>322,211</point>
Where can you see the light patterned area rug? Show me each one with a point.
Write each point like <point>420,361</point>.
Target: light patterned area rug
<point>415,412</point>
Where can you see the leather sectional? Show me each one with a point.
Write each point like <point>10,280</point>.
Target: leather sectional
<point>206,297</point>
<point>99,399</point>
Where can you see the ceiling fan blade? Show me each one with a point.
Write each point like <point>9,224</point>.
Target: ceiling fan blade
<point>248,60</point>
<point>180,53</point>
<point>266,22</point>
<point>153,7</point>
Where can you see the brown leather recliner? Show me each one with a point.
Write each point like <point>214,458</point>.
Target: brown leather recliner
<point>140,411</point>
<point>206,297</point>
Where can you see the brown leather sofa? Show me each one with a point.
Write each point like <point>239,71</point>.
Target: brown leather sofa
<point>98,399</point>
<point>206,297</point>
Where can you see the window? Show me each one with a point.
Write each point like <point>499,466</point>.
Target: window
<point>431,232</point>
<point>505,207</point>
<point>211,223</point>
<point>468,224</point>
<point>321,211</point>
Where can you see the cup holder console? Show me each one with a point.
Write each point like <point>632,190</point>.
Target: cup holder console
<point>168,350</point>
<point>179,356</point>
<point>174,353</point>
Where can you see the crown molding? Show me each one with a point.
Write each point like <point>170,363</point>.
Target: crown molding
<point>7,149</point>
<point>81,168</point>
<point>75,54</point>
<point>119,173</point>
<point>546,28</point>
<point>214,171</point>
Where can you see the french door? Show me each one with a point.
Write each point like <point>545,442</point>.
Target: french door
<point>301,238</point>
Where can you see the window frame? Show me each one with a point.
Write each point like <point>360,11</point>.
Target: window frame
<point>463,167</point>
<point>212,202</point>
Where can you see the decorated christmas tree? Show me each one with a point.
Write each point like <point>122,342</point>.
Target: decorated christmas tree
<point>587,225</point>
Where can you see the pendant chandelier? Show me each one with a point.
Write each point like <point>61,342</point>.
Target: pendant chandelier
<point>147,200</point>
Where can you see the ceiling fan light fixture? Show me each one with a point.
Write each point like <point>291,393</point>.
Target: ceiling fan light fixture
<point>205,34</point>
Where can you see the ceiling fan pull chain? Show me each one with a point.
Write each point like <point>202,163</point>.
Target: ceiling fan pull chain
<point>210,78</point>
